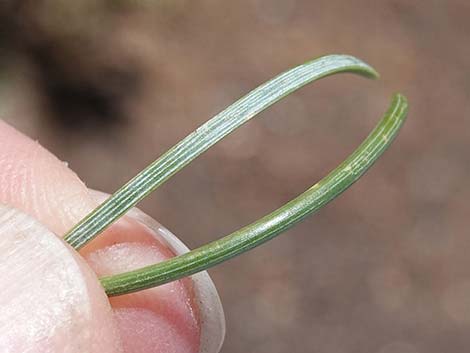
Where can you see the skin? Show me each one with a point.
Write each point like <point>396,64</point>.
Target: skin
<point>50,297</point>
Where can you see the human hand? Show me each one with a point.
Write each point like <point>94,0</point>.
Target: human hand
<point>51,299</point>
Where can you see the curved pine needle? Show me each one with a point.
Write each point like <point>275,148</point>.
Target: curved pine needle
<point>273,224</point>
<point>206,136</point>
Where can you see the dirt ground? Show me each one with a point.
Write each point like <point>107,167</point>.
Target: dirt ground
<point>383,269</point>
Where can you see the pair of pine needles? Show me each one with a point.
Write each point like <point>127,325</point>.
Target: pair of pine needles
<point>199,141</point>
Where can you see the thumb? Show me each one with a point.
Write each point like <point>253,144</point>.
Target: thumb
<point>50,300</point>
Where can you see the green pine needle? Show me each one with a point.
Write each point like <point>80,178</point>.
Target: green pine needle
<point>206,136</point>
<point>273,224</point>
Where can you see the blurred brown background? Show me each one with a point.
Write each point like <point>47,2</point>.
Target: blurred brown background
<point>110,85</point>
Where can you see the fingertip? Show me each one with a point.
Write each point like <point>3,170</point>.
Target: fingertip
<point>144,331</point>
<point>50,301</point>
<point>36,182</point>
<point>166,310</point>
<point>146,242</point>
